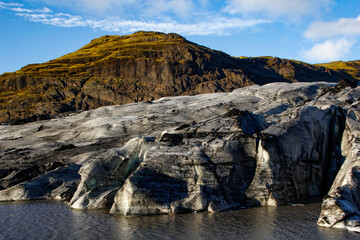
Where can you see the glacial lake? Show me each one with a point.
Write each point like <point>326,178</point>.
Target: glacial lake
<point>54,220</point>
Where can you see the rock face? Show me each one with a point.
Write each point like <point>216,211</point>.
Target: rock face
<point>57,184</point>
<point>255,146</point>
<point>299,157</point>
<point>198,167</point>
<point>143,66</point>
<point>102,176</point>
<point>340,208</point>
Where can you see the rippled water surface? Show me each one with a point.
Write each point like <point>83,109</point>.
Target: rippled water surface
<point>53,220</point>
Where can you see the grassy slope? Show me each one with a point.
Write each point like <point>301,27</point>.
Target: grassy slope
<point>104,49</point>
<point>76,68</point>
<point>350,67</point>
<point>41,88</point>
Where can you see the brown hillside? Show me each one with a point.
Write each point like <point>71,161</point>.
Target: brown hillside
<point>140,67</point>
<point>262,70</point>
<point>351,67</point>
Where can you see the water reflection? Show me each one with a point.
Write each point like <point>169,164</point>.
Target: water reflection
<point>53,220</point>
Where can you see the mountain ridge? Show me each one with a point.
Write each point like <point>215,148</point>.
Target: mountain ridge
<point>143,66</point>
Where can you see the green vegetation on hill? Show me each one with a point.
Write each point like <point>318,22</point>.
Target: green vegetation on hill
<point>262,70</point>
<point>351,67</point>
<point>139,67</point>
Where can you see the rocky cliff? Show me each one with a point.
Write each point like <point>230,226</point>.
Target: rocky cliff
<point>140,67</point>
<point>340,208</point>
<point>264,145</point>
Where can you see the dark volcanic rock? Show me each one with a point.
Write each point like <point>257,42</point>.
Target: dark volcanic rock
<point>262,70</point>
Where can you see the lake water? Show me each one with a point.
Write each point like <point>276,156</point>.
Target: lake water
<point>53,220</point>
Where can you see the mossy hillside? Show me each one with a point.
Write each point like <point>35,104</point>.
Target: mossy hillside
<point>139,67</point>
<point>351,67</point>
<point>74,73</point>
<point>139,46</point>
<point>286,67</point>
<point>116,56</point>
<point>267,68</point>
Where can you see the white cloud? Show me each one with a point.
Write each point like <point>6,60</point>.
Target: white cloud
<point>340,27</point>
<point>5,5</point>
<point>219,26</point>
<point>91,6</point>
<point>277,7</point>
<point>210,25</point>
<point>59,20</point>
<point>20,9</point>
<point>17,7</point>
<point>330,50</point>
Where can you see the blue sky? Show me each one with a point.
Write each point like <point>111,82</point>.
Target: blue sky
<point>314,31</point>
